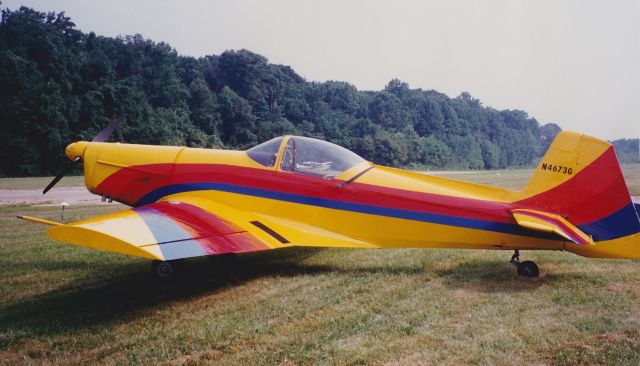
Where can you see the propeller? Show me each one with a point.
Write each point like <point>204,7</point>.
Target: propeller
<point>102,136</point>
<point>67,169</point>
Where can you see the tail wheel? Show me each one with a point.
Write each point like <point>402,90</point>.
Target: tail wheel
<point>528,269</point>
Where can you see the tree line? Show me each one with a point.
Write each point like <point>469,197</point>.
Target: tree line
<point>628,150</point>
<point>58,85</point>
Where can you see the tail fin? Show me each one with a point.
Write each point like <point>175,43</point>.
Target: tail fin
<point>579,178</point>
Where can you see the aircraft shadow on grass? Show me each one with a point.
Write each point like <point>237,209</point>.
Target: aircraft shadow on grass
<point>82,305</point>
<point>495,276</point>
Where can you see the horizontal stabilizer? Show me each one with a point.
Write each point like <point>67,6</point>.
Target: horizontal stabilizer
<point>550,223</point>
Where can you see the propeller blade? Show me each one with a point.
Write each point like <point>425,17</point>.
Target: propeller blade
<point>64,171</point>
<point>103,135</point>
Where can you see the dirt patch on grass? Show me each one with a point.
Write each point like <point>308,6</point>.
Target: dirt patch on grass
<point>616,336</point>
<point>207,357</point>
<point>633,288</point>
<point>611,348</point>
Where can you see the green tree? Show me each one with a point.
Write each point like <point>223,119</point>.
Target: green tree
<point>388,111</point>
<point>627,150</point>
<point>548,132</point>
<point>238,120</point>
<point>58,85</point>
<point>203,107</point>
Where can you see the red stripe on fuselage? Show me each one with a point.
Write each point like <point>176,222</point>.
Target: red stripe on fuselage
<point>130,185</point>
<point>595,192</point>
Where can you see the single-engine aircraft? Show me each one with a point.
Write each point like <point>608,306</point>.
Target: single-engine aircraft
<point>300,191</point>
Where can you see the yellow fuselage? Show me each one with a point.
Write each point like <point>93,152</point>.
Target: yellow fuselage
<point>385,207</point>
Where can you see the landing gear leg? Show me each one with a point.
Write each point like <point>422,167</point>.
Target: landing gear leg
<point>163,270</point>
<point>527,269</point>
<point>515,258</point>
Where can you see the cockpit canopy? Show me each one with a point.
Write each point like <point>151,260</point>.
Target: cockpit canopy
<point>267,152</point>
<point>306,156</point>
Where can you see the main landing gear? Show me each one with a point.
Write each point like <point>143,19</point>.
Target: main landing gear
<point>527,269</point>
<point>163,270</point>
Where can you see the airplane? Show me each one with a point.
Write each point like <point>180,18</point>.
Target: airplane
<point>295,191</point>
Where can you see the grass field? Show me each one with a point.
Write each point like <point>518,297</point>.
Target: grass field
<point>518,178</point>
<point>511,179</point>
<point>66,305</point>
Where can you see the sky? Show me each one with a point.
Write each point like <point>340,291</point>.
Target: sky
<point>574,63</point>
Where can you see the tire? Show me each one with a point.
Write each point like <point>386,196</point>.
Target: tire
<point>162,270</point>
<point>528,269</point>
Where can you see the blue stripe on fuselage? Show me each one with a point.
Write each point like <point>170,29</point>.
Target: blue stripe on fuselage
<point>616,225</point>
<point>346,206</point>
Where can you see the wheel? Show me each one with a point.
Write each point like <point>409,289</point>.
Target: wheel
<point>528,269</point>
<point>163,270</point>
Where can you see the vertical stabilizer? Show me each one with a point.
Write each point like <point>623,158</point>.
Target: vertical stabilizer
<point>579,178</point>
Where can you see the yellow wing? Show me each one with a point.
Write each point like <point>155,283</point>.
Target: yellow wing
<point>184,226</point>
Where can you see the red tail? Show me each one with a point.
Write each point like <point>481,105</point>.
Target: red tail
<point>590,193</point>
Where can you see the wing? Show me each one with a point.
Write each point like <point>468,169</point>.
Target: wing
<point>185,226</point>
<point>551,223</point>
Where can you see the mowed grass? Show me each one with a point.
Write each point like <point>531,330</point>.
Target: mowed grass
<point>518,178</point>
<point>67,305</point>
<point>509,179</point>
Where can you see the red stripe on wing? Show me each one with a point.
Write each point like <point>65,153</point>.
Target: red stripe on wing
<point>216,235</point>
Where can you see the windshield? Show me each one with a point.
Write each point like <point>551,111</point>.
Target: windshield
<point>316,157</point>
<point>266,153</point>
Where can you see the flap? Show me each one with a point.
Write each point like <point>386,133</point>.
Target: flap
<point>285,232</point>
<point>305,235</point>
<point>551,223</point>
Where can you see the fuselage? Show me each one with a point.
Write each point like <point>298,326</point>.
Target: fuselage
<point>383,206</point>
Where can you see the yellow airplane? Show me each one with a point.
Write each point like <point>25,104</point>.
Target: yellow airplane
<point>299,191</point>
